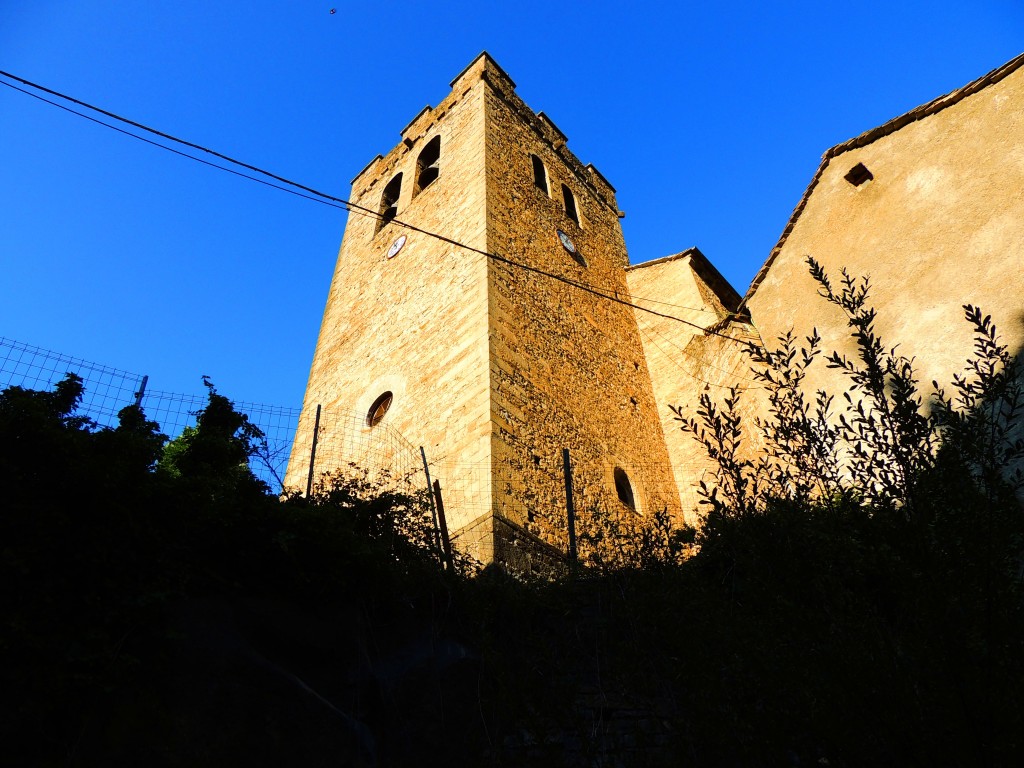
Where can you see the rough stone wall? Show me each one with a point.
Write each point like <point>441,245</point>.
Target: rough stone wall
<point>416,324</point>
<point>941,224</point>
<point>567,367</point>
<point>684,362</point>
<point>524,554</point>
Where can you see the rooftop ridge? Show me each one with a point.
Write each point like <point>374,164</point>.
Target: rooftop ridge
<point>692,250</point>
<point>925,110</point>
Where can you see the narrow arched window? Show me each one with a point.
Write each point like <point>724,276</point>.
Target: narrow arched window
<point>540,174</point>
<point>570,204</point>
<point>389,201</point>
<point>427,169</point>
<point>624,489</point>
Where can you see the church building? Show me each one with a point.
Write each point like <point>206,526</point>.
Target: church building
<point>483,305</point>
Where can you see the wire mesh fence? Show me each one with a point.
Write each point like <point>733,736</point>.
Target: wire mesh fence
<point>297,453</point>
<point>337,445</point>
<point>175,412</point>
<point>107,390</point>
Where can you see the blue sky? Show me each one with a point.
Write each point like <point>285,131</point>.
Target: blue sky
<point>709,119</point>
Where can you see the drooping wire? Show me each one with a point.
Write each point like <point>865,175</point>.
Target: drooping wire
<point>646,333</point>
<point>326,199</point>
<point>682,350</point>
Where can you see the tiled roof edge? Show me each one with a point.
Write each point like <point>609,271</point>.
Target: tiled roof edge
<point>918,113</point>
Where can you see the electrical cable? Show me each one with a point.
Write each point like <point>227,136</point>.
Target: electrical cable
<point>170,149</point>
<point>693,357</point>
<point>677,306</point>
<point>326,199</point>
<point>162,135</point>
<point>683,370</point>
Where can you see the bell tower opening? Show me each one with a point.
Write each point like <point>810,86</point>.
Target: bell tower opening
<point>389,201</point>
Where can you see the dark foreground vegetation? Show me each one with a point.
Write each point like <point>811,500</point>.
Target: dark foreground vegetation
<point>853,598</point>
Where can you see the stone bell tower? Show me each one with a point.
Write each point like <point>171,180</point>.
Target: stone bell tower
<point>483,347</point>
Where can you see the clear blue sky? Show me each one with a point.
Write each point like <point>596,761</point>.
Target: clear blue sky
<point>709,119</point>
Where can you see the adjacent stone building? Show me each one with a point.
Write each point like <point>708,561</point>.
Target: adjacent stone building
<point>523,331</point>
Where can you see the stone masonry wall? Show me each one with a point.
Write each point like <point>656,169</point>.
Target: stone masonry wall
<point>567,367</point>
<point>416,324</point>
<point>495,369</point>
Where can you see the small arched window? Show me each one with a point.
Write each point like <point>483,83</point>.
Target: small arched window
<point>378,409</point>
<point>624,489</point>
<point>427,169</point>
<point>540,174</point>
<point>570,204</point>
<point>389,201</point>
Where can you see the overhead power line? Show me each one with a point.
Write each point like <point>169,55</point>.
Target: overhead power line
<point>162,135</point>
<point>310,193</point>
<point>171,149</point>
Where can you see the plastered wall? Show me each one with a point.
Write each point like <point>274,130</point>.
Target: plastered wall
<point>941,224</point>
<point>684,361</point>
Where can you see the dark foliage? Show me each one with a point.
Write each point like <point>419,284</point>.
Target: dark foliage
<point>890,530</point>
<point>854,598</point>
<point>130,566</point>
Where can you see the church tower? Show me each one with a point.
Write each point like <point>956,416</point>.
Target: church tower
<point>502,344</point>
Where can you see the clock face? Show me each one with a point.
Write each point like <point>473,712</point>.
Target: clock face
<point>567,242</point>
<point>396,247</point>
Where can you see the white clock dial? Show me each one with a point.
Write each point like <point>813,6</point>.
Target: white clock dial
<point>567,242</point>
<point>396,247</point>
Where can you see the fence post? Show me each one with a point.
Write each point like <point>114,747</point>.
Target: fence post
<point>445,541</point>
<point>312,452</point>
<point>570,509</point>
<point>142,391</point>
<point>433,505</point>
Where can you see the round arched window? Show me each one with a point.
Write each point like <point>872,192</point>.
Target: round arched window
<point>378,409</point>
<point>624,489</point>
